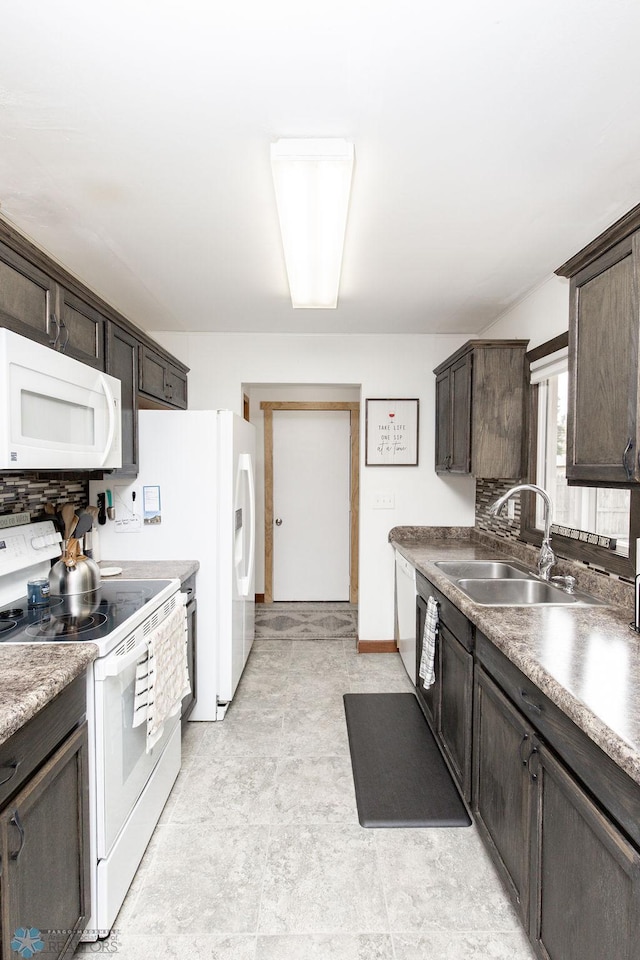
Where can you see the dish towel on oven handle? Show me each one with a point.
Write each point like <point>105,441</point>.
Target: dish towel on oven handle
<point>429,633</point>
<point>162,674</point>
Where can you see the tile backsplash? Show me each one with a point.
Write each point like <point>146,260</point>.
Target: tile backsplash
<point>28,492</point>
<point>486,492</point>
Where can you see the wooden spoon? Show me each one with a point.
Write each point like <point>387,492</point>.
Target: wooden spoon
<point>68,513</point>
<point>93,511</point>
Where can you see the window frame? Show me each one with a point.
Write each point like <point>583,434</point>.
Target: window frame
<point>564,546</point>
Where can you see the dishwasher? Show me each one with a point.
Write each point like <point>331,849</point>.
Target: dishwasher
<point>406,614</point>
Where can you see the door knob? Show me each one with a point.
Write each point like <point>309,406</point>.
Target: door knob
<point>278,522</point>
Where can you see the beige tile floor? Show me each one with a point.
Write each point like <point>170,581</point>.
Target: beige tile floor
<point>259,854</point>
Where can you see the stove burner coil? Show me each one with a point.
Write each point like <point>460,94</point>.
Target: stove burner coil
<point>12,614</point>
<point>65,626</point>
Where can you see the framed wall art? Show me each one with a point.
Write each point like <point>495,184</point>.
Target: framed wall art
<point>391,433</point>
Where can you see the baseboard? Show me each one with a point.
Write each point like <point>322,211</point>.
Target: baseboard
<point>377,646</point>
<point>259,597</point>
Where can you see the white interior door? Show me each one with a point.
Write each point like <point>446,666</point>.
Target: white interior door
<point>311,469</point>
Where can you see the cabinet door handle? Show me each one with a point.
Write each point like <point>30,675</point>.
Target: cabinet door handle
<point>53,322</point>
<point>625,459</point>
<point>534,752</point>
<point>15,820</point>
<point>536,708</point>
<point>63,346</point>
<point>525,760</point>
<point>12,767</point>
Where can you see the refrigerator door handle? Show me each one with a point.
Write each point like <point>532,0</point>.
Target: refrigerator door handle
<point>245,466</point>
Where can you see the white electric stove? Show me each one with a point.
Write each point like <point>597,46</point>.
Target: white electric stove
<point>128,785</point>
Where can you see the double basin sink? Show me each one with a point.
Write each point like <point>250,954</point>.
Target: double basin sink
<point>500,583</point>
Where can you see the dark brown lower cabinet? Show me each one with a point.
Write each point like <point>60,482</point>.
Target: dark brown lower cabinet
<point>456,701</point>
<point>447,704</point>
<point>44,844</point>
<point>503,789</point>
<point>573,876</point>
<point>586,902</point>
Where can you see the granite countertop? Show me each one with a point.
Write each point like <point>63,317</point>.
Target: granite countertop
<point>33,674</point>
<point>585,659</point>
<point>152,569</point>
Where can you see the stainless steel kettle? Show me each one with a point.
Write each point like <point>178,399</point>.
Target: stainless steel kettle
<point>73,573</point>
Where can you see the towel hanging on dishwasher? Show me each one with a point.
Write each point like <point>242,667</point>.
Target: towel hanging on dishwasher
<point>427,660</point>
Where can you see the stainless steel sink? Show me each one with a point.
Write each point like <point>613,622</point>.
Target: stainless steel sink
<point>521,593</point>
<point>501,583</point>
<point>513,592</point>
<point>483,570</point>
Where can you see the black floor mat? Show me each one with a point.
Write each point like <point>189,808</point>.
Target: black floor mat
<point>400,776</point>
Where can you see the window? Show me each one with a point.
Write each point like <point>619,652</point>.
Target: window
<point>600,519</point>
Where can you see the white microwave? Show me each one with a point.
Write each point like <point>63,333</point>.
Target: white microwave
<point>55,412</point>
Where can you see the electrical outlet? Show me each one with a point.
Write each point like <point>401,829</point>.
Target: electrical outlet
<point>511,509</point>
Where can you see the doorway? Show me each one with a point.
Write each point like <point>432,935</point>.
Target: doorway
<point>314,420</point>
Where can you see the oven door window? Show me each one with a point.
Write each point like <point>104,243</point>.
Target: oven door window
<point>123,766</point>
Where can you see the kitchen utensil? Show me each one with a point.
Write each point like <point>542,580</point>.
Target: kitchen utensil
<point>68,512</point>
<point>111,512</point>
<point>102,513</point>
<point>56,518</point>
<point>87,544</point>
<point>85,522</point>
<point>73,525</point>
<point>73,573</point>
<point>70,551</point>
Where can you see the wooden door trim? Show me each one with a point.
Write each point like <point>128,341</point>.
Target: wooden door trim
<point>268,406</point>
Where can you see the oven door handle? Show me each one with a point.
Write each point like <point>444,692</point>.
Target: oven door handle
<point>113,666</point>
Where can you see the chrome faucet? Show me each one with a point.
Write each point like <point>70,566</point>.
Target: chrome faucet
<point>547,558</point>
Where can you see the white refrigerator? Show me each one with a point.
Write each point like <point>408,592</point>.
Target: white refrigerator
<point>194,499</point>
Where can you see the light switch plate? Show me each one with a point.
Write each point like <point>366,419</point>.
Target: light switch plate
<point>384,501</point>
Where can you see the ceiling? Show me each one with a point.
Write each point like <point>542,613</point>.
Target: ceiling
<point>492,141</point>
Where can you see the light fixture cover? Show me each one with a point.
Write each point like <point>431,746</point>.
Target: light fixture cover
<point>312,180</point>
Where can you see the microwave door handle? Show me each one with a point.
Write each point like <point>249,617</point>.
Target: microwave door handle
<point>112,416</point>
<point>113,666</point>
<point>243,582</point>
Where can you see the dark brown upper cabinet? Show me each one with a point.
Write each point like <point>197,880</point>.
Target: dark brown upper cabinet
<point>480,409</point>
<point>122,362</point>
<point>603,422</point>
<point>27,297</point>
<point>81,330</point>
<point>161,380</point>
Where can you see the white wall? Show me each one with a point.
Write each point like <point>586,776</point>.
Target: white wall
<point>382,366</point>
<point>538,317</point>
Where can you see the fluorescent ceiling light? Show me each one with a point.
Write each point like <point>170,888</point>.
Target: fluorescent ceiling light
<point>312,180</point>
